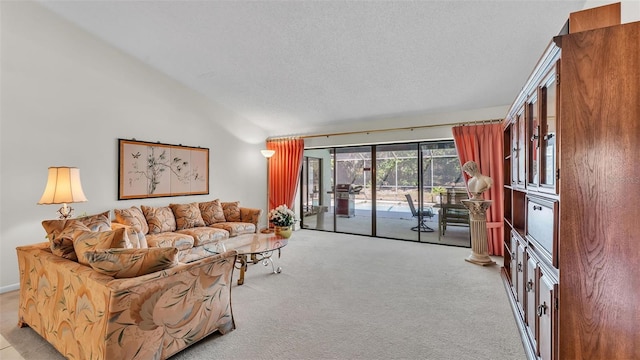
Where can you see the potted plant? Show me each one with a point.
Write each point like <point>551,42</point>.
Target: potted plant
<point>282,219</point>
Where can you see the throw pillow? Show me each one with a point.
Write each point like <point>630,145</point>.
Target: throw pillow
<point>62,243</point>
<point>231,211</point>
<point>137,238</point>
<point>133,217</point>
<point>211,212</point>
<point>160,219</point>
<point>85,241</point>
<point>187,215</point>
<point>126,263</point>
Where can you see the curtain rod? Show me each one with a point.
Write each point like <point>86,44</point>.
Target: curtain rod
<point>411,128</point>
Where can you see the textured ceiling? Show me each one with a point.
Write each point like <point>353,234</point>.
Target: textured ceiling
<point>306,64</point>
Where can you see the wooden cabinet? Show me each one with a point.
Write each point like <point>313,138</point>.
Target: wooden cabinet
<point>572,201</point>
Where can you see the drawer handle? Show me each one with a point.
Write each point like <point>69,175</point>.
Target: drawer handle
<point>542,309</point>
<point>534,138</point>
<point>547,137</point>
<point>513,254</point>
<point>529,285</point>
<point>536,207</point>
<point>519,267</point>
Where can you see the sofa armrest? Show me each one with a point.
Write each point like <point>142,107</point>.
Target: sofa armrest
<point>250,215</point>
<point>63,301</point>
<point>156,315</point>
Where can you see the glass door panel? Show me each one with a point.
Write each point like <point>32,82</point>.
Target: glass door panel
<point>352,190</point>
<point>520,154</point>
<point>442,176</point>
<point>534,141</point>
<point>317,206</point>
<point>396,180</point>
<point>548,124</point>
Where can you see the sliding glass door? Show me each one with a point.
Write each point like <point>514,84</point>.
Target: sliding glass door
<point>442,176</point>
<point>394,191</point>
<point>317,190</point>
<point>352,191</point>
<point>396,185</point>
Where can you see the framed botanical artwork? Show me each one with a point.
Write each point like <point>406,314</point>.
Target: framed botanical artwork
<point>148,169</point>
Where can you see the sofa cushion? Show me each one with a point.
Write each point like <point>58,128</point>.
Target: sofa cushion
<point>231,211</point>
<point>160,219</point>
<point>187,215</point>
<point>132,216</point>
<point>127,263</point>
<point>170,239</point>
<point>212,212</point>
<point>62,243</point>
<point>236,228</point>
<point>205,235</point>
<point>137,238</point>
<point>85,241</point>
<point>202,251</point>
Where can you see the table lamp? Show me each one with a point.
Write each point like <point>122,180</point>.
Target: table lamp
<point>63,187</point>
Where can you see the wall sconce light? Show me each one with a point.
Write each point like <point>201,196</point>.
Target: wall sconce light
<point>268,153</point>
<point>63,187</point>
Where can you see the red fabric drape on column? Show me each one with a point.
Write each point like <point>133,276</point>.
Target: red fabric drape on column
<point>483,144</point>
<point>284,171</point>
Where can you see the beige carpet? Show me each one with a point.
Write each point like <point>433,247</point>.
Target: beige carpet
<point>350,297</point>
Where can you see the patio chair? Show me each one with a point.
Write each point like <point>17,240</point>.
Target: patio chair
<point>421,214</point>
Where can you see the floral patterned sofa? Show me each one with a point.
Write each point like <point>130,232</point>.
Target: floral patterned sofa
<point>196,229</point>
<point>145,286</point>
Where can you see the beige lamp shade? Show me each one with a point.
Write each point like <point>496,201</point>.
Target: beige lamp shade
<point>63,186</point>
<point>267,153</point>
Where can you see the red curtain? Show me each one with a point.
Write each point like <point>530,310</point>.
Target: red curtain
<point>483,144</point>
<point>284,171</point>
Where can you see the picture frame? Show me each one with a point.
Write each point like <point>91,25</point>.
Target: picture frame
<point>147,169</point>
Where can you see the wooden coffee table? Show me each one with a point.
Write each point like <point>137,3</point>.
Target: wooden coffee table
<point>254,248</point>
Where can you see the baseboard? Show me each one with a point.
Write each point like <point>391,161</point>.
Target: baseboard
<point>8,288</point>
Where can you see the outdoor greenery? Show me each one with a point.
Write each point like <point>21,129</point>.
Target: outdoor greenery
<point>399,169</point>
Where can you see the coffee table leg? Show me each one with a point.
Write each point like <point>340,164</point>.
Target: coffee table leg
<point>268,261</point>
<point>243,267</point>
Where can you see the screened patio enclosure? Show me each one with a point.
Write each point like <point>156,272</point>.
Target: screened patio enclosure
<point>366,190</point>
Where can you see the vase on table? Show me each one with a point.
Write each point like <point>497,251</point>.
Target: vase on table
<point>284,231</point>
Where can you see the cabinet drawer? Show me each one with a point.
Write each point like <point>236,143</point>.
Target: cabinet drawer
<point>542,224</point>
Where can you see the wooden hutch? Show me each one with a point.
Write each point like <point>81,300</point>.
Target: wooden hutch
<point>572,194</point>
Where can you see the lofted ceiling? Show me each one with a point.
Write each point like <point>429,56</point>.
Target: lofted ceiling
<point>301,65</point>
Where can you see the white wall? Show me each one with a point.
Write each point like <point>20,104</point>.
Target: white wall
<point>66,97</point>
<point>629,9</point>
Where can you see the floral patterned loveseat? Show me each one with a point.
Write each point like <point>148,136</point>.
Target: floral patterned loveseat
<point>86,314</point>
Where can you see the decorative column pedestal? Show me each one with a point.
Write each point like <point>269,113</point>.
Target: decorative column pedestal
<point>478,225</point>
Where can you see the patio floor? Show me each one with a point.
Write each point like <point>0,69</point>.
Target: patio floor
<point>390,224</point>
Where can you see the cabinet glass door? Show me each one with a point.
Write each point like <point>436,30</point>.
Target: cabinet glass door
<point>520,147</point>
<point>533,119</point>
<point>548,122</point>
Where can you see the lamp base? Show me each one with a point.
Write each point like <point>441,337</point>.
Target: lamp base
<point>65,212</point>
